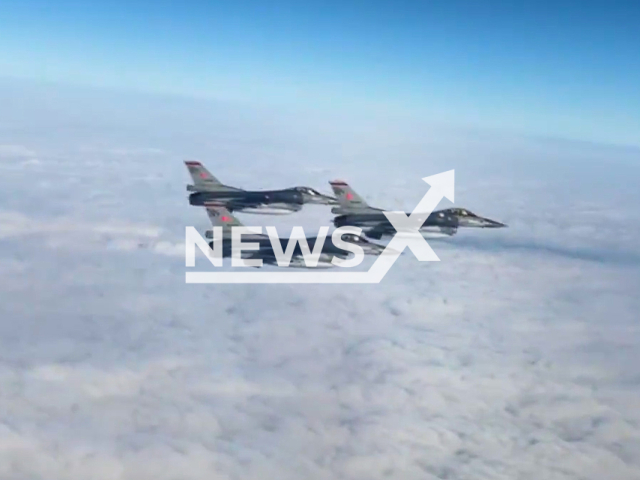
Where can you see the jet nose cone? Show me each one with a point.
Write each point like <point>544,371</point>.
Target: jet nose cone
<point>374,249</point>
<point>388,251</point>
<point>319,199</point>
<point>493,223</point>
<point>325,200</point>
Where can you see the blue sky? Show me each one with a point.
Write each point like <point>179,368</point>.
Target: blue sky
<point>566,69</point>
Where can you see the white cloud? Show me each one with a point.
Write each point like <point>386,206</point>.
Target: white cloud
<point>15,151</point>
<point>513,357</point>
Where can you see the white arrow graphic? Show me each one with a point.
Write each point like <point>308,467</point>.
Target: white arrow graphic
<point>442,186</point>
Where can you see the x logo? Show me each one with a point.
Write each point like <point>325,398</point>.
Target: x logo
<point>408,228</point>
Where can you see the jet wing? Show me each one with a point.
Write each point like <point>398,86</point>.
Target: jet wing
<point>268,258</point>
<point>254,256</point>
<point>240,203</point>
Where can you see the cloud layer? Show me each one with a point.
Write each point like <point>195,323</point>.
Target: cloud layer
<point>516,356</point>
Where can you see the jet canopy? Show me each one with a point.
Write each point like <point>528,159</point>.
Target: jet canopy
<point>353,238</point>
<point>461,212</point>
<point>309,195</point>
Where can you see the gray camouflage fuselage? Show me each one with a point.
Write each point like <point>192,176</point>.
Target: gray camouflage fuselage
<point>266,253</point>
<point>376,225</point>
<point>267,201</point>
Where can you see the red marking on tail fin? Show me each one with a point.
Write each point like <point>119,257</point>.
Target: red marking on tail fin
<point>203,175</point>
<point>225,219</point>
<point>349,196</point>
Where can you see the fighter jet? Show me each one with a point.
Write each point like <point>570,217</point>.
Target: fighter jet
<point>470,219</point>
<point>207,188</point>
<point>354,210</point>
<point>220,216</point>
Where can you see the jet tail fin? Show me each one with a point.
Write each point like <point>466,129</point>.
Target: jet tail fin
<point>348,199</point>
<point>220,216</point>
<point>203,180</point>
